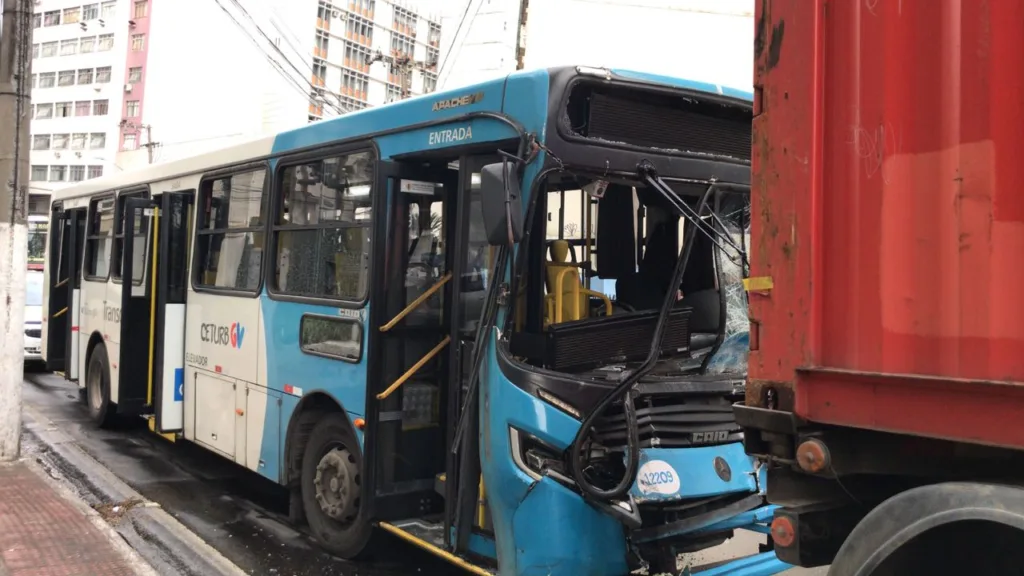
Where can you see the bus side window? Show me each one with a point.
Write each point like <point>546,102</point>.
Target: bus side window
<point>322,228</point>
<point>99,238</point>
<point>229,241</point>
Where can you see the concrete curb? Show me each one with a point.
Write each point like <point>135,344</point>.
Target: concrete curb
<point>157,537</point>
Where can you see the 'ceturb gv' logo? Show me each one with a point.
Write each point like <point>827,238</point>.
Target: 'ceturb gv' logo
<point>223,335</point>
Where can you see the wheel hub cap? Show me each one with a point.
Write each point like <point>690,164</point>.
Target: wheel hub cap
<point>337,486</point>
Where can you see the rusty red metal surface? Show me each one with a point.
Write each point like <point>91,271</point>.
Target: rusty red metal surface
<point>888,193</point>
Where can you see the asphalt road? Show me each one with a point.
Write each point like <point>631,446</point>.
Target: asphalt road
<point>237,512</point>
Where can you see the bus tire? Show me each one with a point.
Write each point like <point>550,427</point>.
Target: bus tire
<point>97,387</point>
<point>331,472</point>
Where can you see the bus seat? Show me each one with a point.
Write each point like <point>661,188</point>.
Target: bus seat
<point>573,308</point>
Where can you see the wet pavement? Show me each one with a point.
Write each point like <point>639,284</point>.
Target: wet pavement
<point>241,514</point>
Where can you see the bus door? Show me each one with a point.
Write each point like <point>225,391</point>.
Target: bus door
<point>409,342</point>
<point>65,252</point>
<point>153,318</point>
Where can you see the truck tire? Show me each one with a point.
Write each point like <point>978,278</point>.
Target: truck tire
<point>331,471</point>
<point>950,528</point>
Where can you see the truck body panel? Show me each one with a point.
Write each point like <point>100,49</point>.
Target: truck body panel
<point>888,194</point>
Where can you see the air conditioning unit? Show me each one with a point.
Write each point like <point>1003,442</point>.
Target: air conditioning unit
<point>128,87</point>
<point>335,13</point>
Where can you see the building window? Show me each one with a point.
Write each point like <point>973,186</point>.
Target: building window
<point>138,42</point>
<point>319,73</point>
<point>87,45</point>
<point>90,12</point>
<point>97,141</point>
<point>99,107</point>
<point>62,110</point>
<point>129,142</point>
<point>48,49</point>
<point>69,47</point>
<point>66,78</point>
<point>72,15</point>
<point>392,93</point>
<point>38,173</point>
<point>107,10</point>
<point>51,18</point>
<point>141,9</point>
<point>429,83</point>
<point>78,141</point>
<point>41,142</point>
<point>103,75</point>
<point>106,43</point>
<point>402,46</point>
<point>99,237</point>
<point>85,76</point>
<point>132,109</point>
<point>35,50</point>
<point>35,81</point>
<point>95,172</point>
<point>58,173</point>
<point>359,30</point>
<point>37,20</point>
<point>44,111</point>
<point>322,229</point>
<point>354,84</point>
<point>357,57</point>
<point>47,79</point>
<point>76,174</point>
<point>83,108</point>
<point>135,75</point>
<point>231,219</point>
<point>60,141</point>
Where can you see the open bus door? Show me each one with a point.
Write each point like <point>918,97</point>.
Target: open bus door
<point>65,252</point>
<point>153,319</point>
<point>428,289</point>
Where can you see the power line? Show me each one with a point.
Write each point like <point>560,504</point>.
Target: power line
<point>465,14</point>
<point>277,48</point>
<point>305,87</point>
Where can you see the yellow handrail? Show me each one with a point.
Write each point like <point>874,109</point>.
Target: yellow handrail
<point>61,313</point>
<point>152,304</point>
<point>415,367</point>
<point>415,303</point>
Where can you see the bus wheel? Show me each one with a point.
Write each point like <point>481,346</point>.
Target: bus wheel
<point>331,476</point>
<point>97,387</point>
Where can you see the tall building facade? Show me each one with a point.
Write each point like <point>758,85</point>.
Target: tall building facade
<point>78,76</point>
<point>118,84</point>
<point>369,52</point>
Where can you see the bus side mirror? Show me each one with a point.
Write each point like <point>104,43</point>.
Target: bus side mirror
<point>501,203</point>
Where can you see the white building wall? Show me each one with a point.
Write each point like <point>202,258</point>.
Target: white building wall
<point>208,85</point>
<point>63,164</point>
<point>706,40</point>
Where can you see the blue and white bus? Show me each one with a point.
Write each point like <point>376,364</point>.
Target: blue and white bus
<point>504,322</point>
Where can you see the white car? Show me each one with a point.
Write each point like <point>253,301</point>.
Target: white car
<point>33,317</point>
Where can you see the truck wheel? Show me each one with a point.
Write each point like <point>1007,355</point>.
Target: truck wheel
<point>97,387</point>
<point>331,490</point>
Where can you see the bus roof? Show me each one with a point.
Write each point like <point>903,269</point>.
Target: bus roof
<point>264,146</point>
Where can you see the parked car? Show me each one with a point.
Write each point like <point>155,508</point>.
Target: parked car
<point>33,318</point>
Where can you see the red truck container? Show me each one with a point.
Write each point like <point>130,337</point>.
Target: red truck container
<point>887,265</point>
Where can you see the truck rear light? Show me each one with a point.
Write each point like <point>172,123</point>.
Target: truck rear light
<point>813,456</point>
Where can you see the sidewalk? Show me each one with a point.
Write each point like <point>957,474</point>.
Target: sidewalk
<point>44,532</point>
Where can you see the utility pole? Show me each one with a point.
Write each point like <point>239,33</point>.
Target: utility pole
<point>149,145</point>
<point>405,65</point>
<point>15,62</point>
<point>524,8</point>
